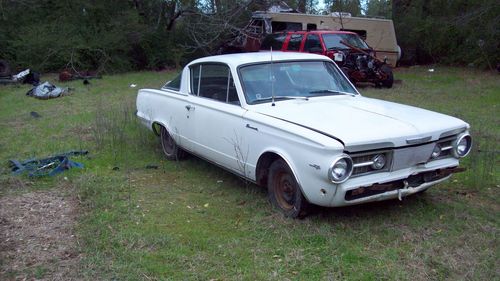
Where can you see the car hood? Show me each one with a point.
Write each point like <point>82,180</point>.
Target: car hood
<point>363,123</point>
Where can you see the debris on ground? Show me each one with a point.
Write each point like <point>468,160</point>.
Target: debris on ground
<point>47,90</point>
<point>35,114</point>
<point>67,75</point>
<point>49,166</point>
<point>38,238</point>
<point>20,76</point>
<point>5,73</point>
<point>133,85</point>
<point>4,69</point>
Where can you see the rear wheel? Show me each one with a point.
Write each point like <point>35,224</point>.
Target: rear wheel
<point>389,80</point>
<point>284,191</point>
<point>171,150</point>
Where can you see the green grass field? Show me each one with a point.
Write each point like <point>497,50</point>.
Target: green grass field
<point>190,220</point>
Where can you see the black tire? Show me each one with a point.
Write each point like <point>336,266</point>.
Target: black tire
<point>284,191</point>
<point>387,70</point>
<point>4,69</point>
<point>171,150</point>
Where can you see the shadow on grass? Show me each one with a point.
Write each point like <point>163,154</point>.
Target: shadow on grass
<point>361,212</point>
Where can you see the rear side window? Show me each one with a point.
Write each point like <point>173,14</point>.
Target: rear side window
<point>313,44</point>
<point>274,41</point>
<point>294,43</point>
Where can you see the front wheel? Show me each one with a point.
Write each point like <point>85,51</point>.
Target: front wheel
<point>284,191</point>
<point>170,148</point>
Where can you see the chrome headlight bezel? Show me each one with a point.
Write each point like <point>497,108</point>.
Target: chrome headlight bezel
<point>376,164</point>
<point>436,151</point>
<point>349,169</point>
<point>456,145</point>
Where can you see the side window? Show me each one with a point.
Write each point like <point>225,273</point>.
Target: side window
<point>294,43</point>
<point>174,84</point>
<point>274,41</point>
<point>214,81</point>
<point>313,44</point>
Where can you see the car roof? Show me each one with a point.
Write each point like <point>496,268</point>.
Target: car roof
<point>236,60</point>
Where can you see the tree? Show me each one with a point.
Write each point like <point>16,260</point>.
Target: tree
<point>379,8</point>
<point>347,6</point>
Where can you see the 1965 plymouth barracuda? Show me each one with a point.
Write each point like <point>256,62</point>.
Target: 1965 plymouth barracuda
<point>293,123</point>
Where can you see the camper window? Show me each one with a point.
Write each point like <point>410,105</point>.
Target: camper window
<point>312,26</point>
<point>361,33</point>
<point>294,43</point>
<point>286,26</point>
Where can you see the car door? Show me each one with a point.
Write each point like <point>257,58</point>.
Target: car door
<point>313,44</point>
<point>214,117</point>
<point>169,108</point>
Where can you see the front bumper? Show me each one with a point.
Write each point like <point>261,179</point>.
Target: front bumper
<point>392,185</point>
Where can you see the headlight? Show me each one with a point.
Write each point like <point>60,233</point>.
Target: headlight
<point>341,169</point>
<point>462,146</point>
<point>378,161</point>
<point>436,152</point>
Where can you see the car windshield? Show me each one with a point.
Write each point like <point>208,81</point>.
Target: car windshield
<point>292,80</point>
<point>332,41</point>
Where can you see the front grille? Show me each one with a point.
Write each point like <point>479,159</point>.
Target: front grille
<point>446,147</point>
<point>401,158</point>
<point>362,162</point>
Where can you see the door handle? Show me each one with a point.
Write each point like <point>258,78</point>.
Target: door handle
<point>253,128</point>
<point>189,107</point>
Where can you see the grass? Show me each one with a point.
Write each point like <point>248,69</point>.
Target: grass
<point>189,220</point>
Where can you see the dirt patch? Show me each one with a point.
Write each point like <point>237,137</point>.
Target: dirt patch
<point>37,239</point>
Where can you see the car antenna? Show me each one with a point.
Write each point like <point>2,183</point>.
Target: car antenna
<point>272,79</point>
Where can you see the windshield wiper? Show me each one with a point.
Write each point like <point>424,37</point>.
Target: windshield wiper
<point>327,92</point>
<point>278,98</point>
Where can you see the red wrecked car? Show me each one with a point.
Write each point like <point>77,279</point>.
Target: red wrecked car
<point>347,49</point>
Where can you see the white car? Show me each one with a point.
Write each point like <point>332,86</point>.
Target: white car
<point>293,123</point>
